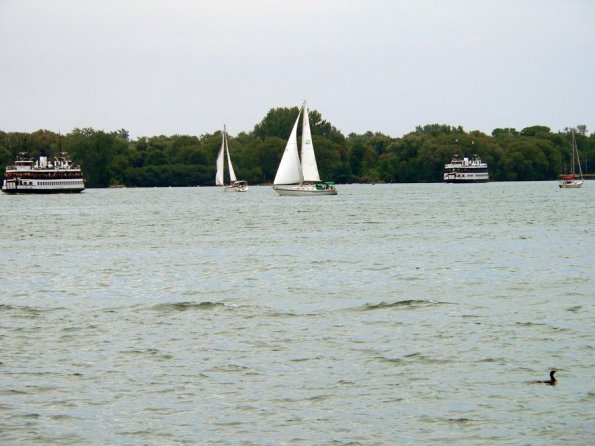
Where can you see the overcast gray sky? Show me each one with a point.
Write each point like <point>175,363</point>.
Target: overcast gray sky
<point>186,67</point>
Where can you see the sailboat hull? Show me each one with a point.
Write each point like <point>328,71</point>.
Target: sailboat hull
<point>574,184</point>
<point>303,190</point>
<point>236,186</point>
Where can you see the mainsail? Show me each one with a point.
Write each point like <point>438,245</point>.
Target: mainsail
<point>224,151</point>
<point>220,155</point>
<point>309,167</point>
<point>290,170</point>
<point>232,174</point>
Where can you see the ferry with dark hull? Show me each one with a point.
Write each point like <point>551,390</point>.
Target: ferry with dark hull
<point>465,170</point>
<point>58,175</point>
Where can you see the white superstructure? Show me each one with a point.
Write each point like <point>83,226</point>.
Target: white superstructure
<point>466,170</point>
<point>58,175</point>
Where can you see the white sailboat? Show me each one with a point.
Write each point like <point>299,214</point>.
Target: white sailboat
<point>234,184</point>
<point>572,180</point>
<point>297,177</point>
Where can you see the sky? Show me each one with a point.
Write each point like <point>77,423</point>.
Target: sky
<point>188,67</point>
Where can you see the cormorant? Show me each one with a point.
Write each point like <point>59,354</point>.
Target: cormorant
<point>551,381</point>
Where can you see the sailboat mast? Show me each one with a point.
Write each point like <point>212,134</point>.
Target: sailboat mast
<point>219,180</point>
<point>573,150</point>
<point>578,159</point>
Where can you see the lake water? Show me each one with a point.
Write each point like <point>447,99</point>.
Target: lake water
<point>388,314</point>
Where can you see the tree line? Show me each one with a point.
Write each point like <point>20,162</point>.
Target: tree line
<point>113,158</point>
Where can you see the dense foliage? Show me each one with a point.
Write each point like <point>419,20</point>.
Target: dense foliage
<point>112,158</point>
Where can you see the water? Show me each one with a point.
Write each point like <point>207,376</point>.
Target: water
<point>389,314</point>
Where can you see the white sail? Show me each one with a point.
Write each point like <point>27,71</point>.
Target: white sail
<point>309,167</point>
<point>232,174</point>
<point>290,171</point>
<point>220,155</point>
<point>299,177</point>
<point>234,184</point>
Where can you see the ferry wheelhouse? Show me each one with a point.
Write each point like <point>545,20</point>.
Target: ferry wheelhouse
<point>43,176</point>
<point>466,170</point>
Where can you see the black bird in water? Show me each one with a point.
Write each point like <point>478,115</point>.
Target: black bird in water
<point>551,381</point>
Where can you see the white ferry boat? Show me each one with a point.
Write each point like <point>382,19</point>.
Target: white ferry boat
<point>466,170</point>
<point>27,176</point>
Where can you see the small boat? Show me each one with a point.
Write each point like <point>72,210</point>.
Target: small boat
<point>465,170</point>
<point>43,176</point>
<point>572,180</point>
<point>234,184</point>
<point>300,177</point>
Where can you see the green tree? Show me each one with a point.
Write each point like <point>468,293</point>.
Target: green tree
<point>277,122</point>
<point>95,150</point>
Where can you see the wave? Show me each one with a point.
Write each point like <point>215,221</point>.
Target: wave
<point>12,392</point>
<point>460,420</point>
<point>425,359</point>
<point>188,306</point>
<point>282,314</point>
<point>153,352</point>
<point>234,368</point>
<point>410,303</point>
<point>247,310</point>
<point>413,357</point>
<point>390,360</point>
<point>492,360</point>
<point>25,311</point>
<point>541,324</point>
<point>530,324</point>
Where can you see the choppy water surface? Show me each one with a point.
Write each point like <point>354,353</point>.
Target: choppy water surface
<point>393,314</point>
